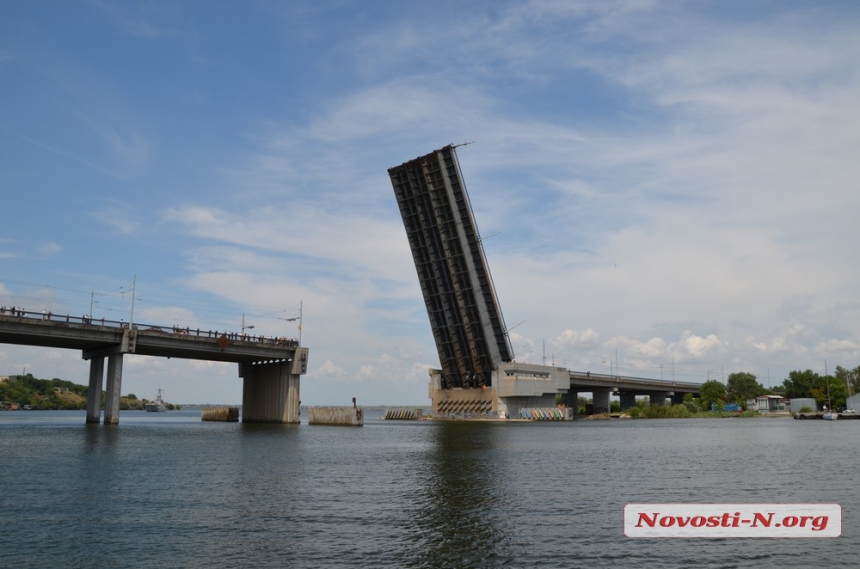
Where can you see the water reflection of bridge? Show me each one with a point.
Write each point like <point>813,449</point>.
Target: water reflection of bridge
<point>270,366</point>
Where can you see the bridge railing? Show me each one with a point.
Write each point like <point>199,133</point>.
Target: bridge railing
<point>88,320</point>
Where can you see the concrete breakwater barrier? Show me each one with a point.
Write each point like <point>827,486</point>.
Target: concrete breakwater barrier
<point>226,414</point>
<point>546,414</point>
<point>349,416</point>
<point>403,414</point>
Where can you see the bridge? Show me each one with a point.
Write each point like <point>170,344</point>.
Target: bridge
<point>270,367</point>
<point>478,372</point>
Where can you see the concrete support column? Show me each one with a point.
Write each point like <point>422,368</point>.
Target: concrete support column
<point>114,384</point>
<point>270,393</point>
<point>658,397</point>
<point>570,399</point>
<point>628,400</point>
<point>600,398</point>
<point>94,392</point>
<point>677,398</point>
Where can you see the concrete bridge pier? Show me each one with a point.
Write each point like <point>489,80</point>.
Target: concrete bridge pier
<point>270,392</point>
<point>600,400</point>
<point>658,397</point>
<point>628,400</point>
<point>94,392</point>
<point>114,385</point>
<point>677,398</point>
<point>571,400</point>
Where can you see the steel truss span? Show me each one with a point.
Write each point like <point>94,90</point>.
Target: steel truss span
<point>464,312</point>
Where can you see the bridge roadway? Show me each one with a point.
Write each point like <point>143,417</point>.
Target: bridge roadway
<point>269,366</point>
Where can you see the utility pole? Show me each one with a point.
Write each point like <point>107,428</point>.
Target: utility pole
<point>131,318</point>
<point>299,318</point>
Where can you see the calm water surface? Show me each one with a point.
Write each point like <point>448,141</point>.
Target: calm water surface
<point>168,490</point>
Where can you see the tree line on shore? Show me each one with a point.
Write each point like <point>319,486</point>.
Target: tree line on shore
<point>742,387</point>
<point>832,389</point>
<point>58,394</point>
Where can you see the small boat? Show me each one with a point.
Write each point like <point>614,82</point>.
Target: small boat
<point>156,406</point>
<point>829,415</point>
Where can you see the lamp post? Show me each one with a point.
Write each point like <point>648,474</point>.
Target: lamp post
<point>243,325</point>
<point>299,318</point>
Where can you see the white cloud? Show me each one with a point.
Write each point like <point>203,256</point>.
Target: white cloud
<point>329,370</point>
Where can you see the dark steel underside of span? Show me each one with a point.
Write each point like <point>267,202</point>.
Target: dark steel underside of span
<point>464,312</point>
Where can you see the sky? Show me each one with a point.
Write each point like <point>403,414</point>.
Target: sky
<point>664,189</point>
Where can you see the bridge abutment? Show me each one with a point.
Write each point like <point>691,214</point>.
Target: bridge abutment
<point>270,393</point>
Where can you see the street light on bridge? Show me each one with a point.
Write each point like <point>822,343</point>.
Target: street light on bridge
<point>243,325</point>
<point>299,318</point>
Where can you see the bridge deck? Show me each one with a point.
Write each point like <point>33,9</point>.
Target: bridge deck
<point>97,336</point>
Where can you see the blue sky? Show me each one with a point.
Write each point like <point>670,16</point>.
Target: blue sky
<point>668,185</point>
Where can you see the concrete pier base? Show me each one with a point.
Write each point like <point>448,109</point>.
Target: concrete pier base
<point>94,392</point>
<point>347,416</point>
<point>270,393</point>
<point>463,402</point>
<point>114,385</point>
<point>515,386</point>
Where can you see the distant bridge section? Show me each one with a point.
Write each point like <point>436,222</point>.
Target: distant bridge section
<point>269,366</point>
<point>585,381</point>
<point>464,312</point>
<point>601,386</point>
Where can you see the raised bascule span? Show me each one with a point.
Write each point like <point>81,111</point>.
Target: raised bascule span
<point>464,312</point>
<point>478,374</point>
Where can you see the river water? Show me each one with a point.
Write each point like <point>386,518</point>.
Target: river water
<point>167,490</point>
